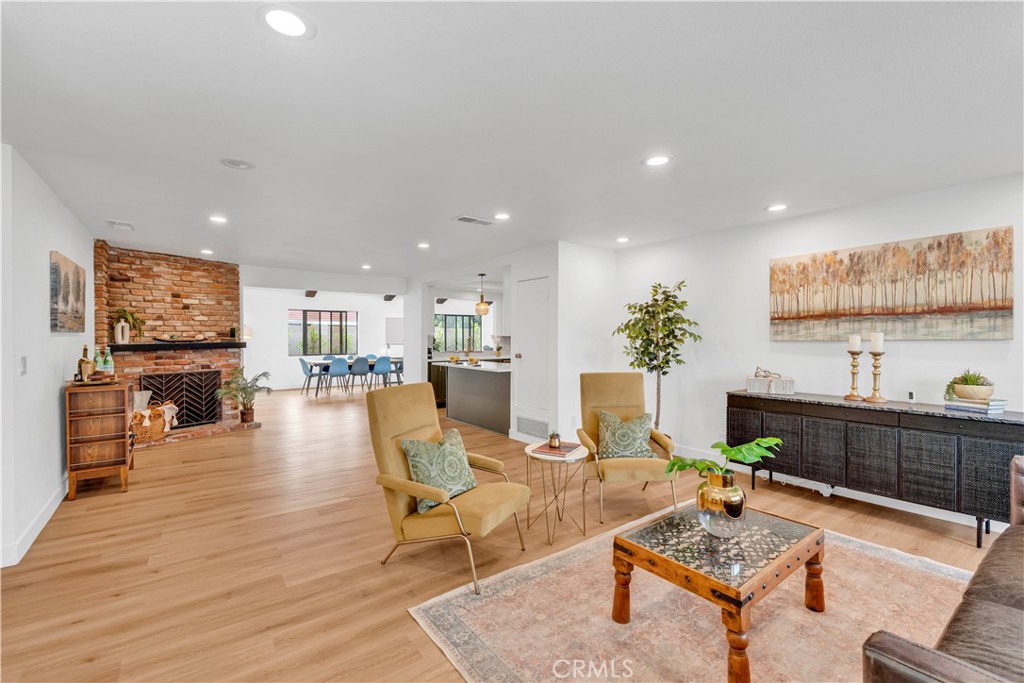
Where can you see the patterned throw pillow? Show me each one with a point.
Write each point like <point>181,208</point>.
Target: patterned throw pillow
<point>443,465</point>
<point>620,439</point>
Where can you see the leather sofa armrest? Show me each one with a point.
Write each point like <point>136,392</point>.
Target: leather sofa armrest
<point>663,440</point>
<point>412,488</point>
<point>888,658</point>
<point>482,462</point>
<point>587,442</point>
<point>1017,490</point>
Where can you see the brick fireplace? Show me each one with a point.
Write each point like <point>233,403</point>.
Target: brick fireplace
<point>174,295</point>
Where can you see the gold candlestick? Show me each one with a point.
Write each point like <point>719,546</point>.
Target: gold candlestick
<point>876,372</point>
<point>854,394</point>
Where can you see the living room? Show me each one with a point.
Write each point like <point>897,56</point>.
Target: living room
<point>603,148</point>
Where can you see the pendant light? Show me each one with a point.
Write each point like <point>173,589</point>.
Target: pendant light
<point>482,308</point>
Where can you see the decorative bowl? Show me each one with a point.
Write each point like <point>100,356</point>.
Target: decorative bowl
<point>973,392</point>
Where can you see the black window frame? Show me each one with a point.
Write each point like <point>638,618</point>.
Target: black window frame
<point>463,321</point>
<point>348,323</point>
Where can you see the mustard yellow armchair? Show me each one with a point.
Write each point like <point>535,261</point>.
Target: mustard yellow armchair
<point>409,412</point>
<point>621,394</point>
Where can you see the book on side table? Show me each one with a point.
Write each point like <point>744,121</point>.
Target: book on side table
<point>565,449</point>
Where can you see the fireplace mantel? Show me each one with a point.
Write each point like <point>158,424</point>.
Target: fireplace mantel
<point>176,346</point>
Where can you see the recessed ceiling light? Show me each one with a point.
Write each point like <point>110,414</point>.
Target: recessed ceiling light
<point>207,252</point>
<point>775,208</point>
<point>366,266</point>
<point>501,216</point>
<point>658,160</point>
<point>218,219</point>
<point>423,245</point>
<point>120,225</point>
<point>286,21</point>
<point>622,240</point>
<point>238,164</point>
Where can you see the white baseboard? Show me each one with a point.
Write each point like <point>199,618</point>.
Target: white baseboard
<point>826,491</point>
<point>12,553</point>
<point>524,438</point>
<point>882,501</point>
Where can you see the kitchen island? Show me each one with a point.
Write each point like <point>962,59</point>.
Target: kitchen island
<point>479,395</point>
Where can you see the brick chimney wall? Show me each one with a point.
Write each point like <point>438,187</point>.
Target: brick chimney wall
<point>173,295</point>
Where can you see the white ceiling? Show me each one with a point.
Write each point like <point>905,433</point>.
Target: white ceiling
<point>398,117</point>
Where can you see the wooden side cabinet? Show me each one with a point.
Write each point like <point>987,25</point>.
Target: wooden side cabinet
<point>98,427</point>
<point>920,453</point>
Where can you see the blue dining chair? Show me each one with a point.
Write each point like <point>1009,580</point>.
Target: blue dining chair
<point>371,356</point>
<point>310,373</point>
<point>381,371</point>
<point>338,370</point>
<point>397,368</point>
<point>329,357</point>
<point>360,369</point>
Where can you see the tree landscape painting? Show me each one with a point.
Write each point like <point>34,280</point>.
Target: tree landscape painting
<point>67,294</point>
<point>955,286</point>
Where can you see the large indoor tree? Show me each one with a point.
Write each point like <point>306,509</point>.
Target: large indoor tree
<point>655,334</point>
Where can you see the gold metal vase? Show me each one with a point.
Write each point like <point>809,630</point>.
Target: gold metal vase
<point>721,505</point>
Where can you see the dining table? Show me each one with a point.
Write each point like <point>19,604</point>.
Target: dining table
<point>322,366</point>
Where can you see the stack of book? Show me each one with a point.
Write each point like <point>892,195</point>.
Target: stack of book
<point>991,406</point>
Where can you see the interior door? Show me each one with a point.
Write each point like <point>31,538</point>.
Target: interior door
<point>531,374</point>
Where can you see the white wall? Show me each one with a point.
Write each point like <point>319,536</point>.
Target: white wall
<point>587,314</point>
<point>266,312</point>
<point>727,274</point>
<point>34,468</point>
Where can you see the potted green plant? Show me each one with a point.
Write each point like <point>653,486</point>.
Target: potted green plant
<point>972,386</point>
<point>655,334</point>
<point>125,321</point>
<point>243,391</point>
<point>720,503</point>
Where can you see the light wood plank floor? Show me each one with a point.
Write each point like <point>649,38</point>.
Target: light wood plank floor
<point>256,556</point>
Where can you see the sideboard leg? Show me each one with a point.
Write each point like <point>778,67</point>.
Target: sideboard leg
<point>980,521</point>
<point>988,526</point>
<point>753,478</point>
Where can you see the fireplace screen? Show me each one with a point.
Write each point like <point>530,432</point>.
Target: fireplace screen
<point>195,394</point>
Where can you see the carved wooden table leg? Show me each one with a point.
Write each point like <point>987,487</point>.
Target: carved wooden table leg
<point>620,604</point>
<point>814,587</point>
<point>737,625</point>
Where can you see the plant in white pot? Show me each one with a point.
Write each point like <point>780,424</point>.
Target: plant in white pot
<point>125,322</point>
<point>243,391</point>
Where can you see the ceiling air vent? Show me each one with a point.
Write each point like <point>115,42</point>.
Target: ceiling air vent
<point>120,225</point>
<point>389,297</point>
<point>473,220</point>
<point>310,293</point>
<point>440,299</point>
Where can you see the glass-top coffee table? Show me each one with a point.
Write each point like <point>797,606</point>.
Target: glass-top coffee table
<point>732,573</point>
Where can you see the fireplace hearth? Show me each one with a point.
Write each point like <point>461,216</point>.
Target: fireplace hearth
<point>193,392</point>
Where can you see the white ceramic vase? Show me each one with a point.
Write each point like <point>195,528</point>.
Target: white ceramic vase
<point>121,331</point>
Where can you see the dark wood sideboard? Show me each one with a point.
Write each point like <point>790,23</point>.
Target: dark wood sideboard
<point>919,453</point>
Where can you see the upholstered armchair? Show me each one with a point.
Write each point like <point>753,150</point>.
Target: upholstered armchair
<point>409,412</point>
<point>621,394</point>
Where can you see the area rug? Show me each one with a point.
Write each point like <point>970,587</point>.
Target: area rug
<point>550,620</point>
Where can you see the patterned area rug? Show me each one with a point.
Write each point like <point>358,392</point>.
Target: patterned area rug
<point>550,620</point>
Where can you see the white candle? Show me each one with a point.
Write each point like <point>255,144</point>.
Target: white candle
<point>854,343</point>
<point>877,342</point>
